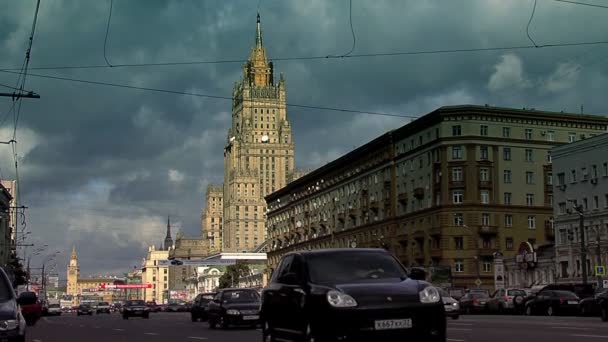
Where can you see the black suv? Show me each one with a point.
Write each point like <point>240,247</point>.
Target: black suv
<point>11,320</point>
<point>360,294</point>
<point>602,301</point>
<point>234,307</point>
<point>135,308</point>
<point>199,306</point>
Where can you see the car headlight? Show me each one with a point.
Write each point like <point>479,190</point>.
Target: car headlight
<point>233,312</point>
<point>429,295</point>
<point>338,299</point>
<point>10,324</point>
<point>455,305</point>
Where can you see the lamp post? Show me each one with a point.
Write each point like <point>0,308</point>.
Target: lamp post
<point>581,224</point>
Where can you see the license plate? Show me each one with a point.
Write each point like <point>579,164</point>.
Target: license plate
<point>251,317</point>
<point>482,303</point>
<point>572,302</point>
<point>449,308</point>
<point>389,324</point>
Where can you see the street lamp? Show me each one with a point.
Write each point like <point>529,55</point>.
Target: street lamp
<point>579,210</point>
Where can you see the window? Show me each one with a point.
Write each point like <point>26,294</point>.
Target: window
<point>561,178</point>
<point>508,220</point>
<point>606,201</point>
<point>506,132</point>
<point>483,152</point>
<point>458,220</point>
<point>596,202</point>
<point>507,176</point>
<point>530,200</point>
<point>459,242</point>
<point>485,219</point>
<point>562,208</point>
<point>585,173</point>
<point>531,222</point>
<point>528,134</point>
<point>457,174</point>
<point>571,137</point>
<point>594,171</point>
<point>457,196</point>
<point>483,130</point>
<point>456,130</point>
<point>550,200</point>
<point>458,265</point>
<point>573,176</point>
<point>484,174</point>
<point>548,156</point>
<point>549,178</point>
<point>509,243</point>
<point>487,266</point>
<point>508,198</point>
<point>585,203</point>
<point>529,155</point>
<point>506,153</point>
<point>605,169</point>
<point>484,196</point>
<point>529,177</point>
<point>550,135</point>
<point>456,152</point>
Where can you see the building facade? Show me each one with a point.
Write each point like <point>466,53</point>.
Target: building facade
<point>212,218</point>
<point>448,189</point>
<point>259,152</point>
<point>531,266</point>
<point>581,188</point>
<point>157,274</point>
<point>88,289</point>
<point>6,227</point>
<point>11,220</point>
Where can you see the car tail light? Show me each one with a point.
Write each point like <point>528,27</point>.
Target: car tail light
<point>561,300</point>
<point>475,301</point>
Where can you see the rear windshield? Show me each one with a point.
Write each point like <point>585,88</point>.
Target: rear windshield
<point>565,294</point>
<point>348,268</point>
<point>54,306</point>
<point>241,296</point>
<point>479,295</point>
<point>104,304</point>
<point>516,293</point>
<point>136,302</point>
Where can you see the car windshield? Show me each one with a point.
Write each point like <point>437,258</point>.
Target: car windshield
<point>135,302</point>
<point>54,306</point>
<point>103,304</point>
<point>565,294</point>
<point>241,296</point>
<point>516,293</point>
<point>354,267</point>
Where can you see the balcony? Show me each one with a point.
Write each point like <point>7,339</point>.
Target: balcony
<point>487,251</point>
<point>434,231</point>
<point>485,184</point>
<point>548,188</point>
<point>402,197</point>
<point>456,184</point>
<point>374,205</point>
<point>353,212</point>
<point>419,193</point>
<point>436,253</point>
<point>488,230</point>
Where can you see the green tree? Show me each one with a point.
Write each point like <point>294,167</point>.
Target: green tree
<point>233,274</point>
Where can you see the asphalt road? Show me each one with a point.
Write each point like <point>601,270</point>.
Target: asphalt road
<point>177,327</point>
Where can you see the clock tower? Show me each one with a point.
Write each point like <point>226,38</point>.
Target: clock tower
<point>73,273</point>
<point>259,151</point>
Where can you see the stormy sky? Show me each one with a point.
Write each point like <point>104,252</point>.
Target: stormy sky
<point>101,167</point>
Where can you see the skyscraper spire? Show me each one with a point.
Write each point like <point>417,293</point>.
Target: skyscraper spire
<point>74,256</point>
<point>258,33</point>
<point>168,239</point>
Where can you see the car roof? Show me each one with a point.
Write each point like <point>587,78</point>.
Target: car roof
<point>330,251</point>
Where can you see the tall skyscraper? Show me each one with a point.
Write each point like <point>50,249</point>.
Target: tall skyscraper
<point>259,154</point>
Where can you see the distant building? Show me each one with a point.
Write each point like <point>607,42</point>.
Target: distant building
<point>88,289</point>
<point>157,274</point>
<point>449,189</point>
<point>212,218</point>
<point>11,187</point>
<point>6,231</point>
<point>581,180</point>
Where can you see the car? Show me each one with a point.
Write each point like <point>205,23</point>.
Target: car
<point>504,300</point>
<point>553,302</point>
<point>199,306</point>
<point>14,323</point>
<point>238,307</point>
<point>53,310</point>
<point>451,305</point>
<point>474,302</point>
<point>173,307</point>
<point>350,293</point>
<point>31,308</point>
<point>102,307</point>
<point>135,308</point>
<point>602,301</point>
<point>153,307</point>
<point>84,309</point>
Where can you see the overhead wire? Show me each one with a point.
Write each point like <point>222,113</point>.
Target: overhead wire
<point>105,41</point>
<point>323,57</point>
<point>582,3</point>
<point>530,22</point>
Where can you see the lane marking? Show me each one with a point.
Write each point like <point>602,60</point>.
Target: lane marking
<point>197,338</point>
<point>572,328</point>
<point>590,336</point>
<point>459,329</point>
<point>36,340</point>
<point>117,329</point>
<point>151,334</point>
<point>464,324</point>
<point>454,340</point>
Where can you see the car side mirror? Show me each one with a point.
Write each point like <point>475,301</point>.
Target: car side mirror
<point>289,279</point>
<point>417,274</point>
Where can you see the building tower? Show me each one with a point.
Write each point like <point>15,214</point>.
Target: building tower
<point>259,154</point>
<point>73,273</point>
<point>168,239</point>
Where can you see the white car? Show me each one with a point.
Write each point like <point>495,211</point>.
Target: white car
<point>54,310</point>
<point>451,305</point>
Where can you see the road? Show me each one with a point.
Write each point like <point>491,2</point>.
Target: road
<point>176,327</point>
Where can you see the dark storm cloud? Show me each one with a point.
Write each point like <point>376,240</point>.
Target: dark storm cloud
<point>108,164</point>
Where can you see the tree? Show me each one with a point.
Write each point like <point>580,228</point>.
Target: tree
<point>16,271</point>
<point>233,274</point>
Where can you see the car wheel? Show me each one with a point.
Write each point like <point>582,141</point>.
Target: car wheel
<point>223,323</point>
<point>550,311</point>
<point>528,310</point>
<point>455,317</point>
<point>267,333</point>
<point>212,323</point>
<point>604,314</point>
<point>147,317</point>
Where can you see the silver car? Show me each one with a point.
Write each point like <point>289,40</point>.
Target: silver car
<point>451,305</point>
<point>503,300</point>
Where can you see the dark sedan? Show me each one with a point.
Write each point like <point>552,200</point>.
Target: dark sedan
<point>349,293</point>
<point>552,302</point>
<point>474,302</point>
<point>198,311</point>
<point>84,309</point>
<point>590,306</point>
<point>135,308</point>
<point>240,307</point>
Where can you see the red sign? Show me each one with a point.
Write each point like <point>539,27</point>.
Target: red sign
<point>125,286</point>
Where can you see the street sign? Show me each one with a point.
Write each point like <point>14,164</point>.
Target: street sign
<point>478,282</point>
<point>600,271</point>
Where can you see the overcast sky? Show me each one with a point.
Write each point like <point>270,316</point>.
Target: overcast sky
<point>102,167</point>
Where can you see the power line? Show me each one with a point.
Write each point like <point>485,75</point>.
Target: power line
<point>530,22</point>
<point>322,57</point>
<point>582,3</point>
<point>175,92</point>
<point>105,41</point>
<point>352,31</point>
